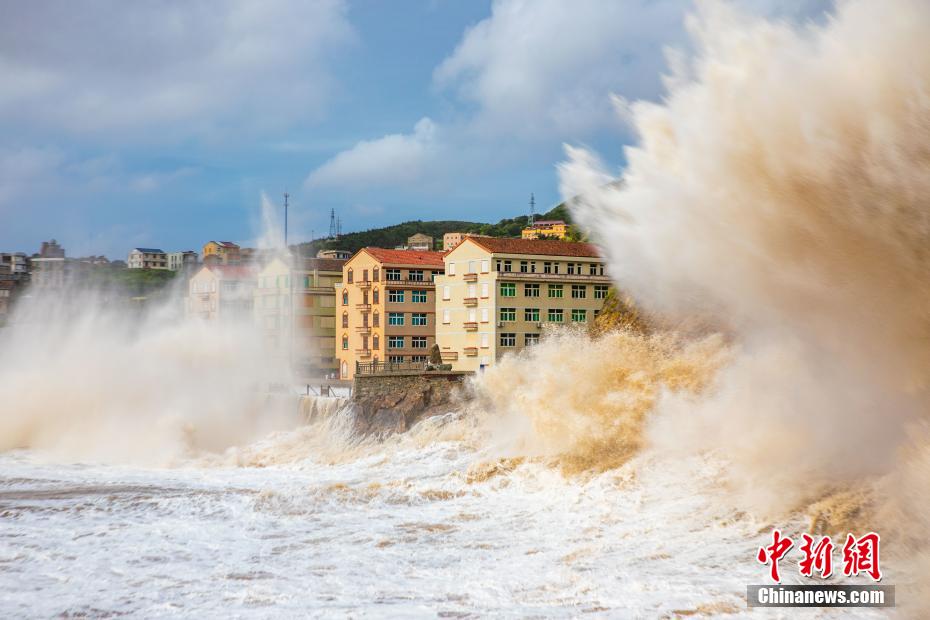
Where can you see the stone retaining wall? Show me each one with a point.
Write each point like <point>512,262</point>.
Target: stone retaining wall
<point>392,403</point>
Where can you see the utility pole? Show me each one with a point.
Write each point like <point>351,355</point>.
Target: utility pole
<point>286,196</point>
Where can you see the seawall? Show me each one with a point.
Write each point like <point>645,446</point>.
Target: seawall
<point>388,403</point>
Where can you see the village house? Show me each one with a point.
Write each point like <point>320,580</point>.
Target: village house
<point>548,229</point>
<point>221,292</point>
<point>182,260</point>
<point>223,252</point>
<point>497,294</point>
<point>295,307</point>
<point>385,307</point>
<point>147,258</point>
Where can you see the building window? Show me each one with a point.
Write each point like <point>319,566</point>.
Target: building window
<point>376,321</point>
<point>418,318</point>
<point>418,342</point>
<point>531,315</point>
<point>508,314</point>
<point>375,296</point>
<point>395,342</point>
<point>547,267</point>
<point>571,269</point>
<point>508,289</point>
<point>345,342</point>
<point>307,281</point>
<point>396,359</point>
<point>555,315</point>
<point>471,266</point>
<point>530,339</point>
<point>579,291</point>
<point>508,266</point>
<point>418,297</point>
<point>364,275</point>
<point>531,290</point>
<point>415,274</point>
<point>524,266</point>
<point>345,319</point>
<point>392,274</point>
<point>447,292</point>
<point>446,316</point>
<point>451,269</point>
<point>579,315</point>
<point>555,291</point>
<point>600,291</point>
<point>508,340</point>
<point>592,269</point>
<point>395,296</point>
<point>419,359</point>
<point>484,315</point>
<point>345,298</point>
<point>484,341</point>
<point>375,341</point>
<point>485,266</point>
<point>376,274</point>
<point>395,318</point>
<point>350,276</point>
<point>484,290</point>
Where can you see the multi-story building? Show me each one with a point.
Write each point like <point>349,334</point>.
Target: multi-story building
<point>497,295</point>
<point>57,273</point>
<point>420,242</point>
<point>221,292</point>
<point>385,307</point>
<point>182,260</point>
<point>550,229</point>
<point>452,239</point>
<point>223,252</point>
<point>334,254</point>
<point>14,263</point>
<point>51,249</point>
<point>295,307</point>
<point>147,258</point>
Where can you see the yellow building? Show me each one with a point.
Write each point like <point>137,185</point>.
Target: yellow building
<point>497,295</point>
<point>386,308</point>
<point>221,292</point>
<point>226,252</point>
<point>295,307</point>
<point>554,229</point>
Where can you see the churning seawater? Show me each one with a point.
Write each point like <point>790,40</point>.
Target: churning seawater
<point>407,532</point>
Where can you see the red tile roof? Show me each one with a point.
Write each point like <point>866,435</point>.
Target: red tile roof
<point>538,247</point>
<point>406,257</point>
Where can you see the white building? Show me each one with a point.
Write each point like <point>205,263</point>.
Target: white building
<point>181,260</point>
<point>147,258</point>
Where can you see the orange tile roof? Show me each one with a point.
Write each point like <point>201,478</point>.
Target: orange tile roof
<point>539,247</point>
<point>406,257</point>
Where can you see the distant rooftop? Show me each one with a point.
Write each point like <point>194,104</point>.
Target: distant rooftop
<point>407,257</point>
<point>149,250</point>
<point>537,247</point>
<point>546,223</point>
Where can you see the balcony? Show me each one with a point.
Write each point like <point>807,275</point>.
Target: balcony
<point>553,277</point>
<point>471,351</point>
<point>470,277</point>
<point>364,353</point>
<point>363,329</point>
<point>364,284</point>
<point>363,307</point>
<point>449,356</point>
<point>471,326</point>
<point>471,301</point>
<point>409,284</point>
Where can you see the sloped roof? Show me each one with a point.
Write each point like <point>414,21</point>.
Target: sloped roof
<point>322,264</point>
<point>535,247</point>
<point>547,223</point>
<point>406,257</point>
<point>233,272</point>
<point>149,250</point>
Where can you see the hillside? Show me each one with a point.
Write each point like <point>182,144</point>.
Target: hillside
<point>393,236</point>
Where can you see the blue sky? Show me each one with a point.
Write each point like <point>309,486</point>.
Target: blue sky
<point>163,124</point>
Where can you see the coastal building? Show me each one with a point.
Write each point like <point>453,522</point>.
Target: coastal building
<point>221,292</point>
<point>497,295</point>
<point>221,252</point>
<point>295,307</point>
<point>385,307</point>
<point>14,263</point>
<point>57,273</point>
<point>334,254</point>
<point>546,229</point>
<point>147,258</point>
<point>420,242</point>
<point>51,249</point>
<point>452,239</point>
<point>182,260</point>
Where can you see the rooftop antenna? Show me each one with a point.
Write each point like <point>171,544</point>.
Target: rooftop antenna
<point>286,196</point>
<point>532,209</point>
<point>332,223</point>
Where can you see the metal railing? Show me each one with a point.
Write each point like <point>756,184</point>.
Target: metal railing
<point>373,368</point>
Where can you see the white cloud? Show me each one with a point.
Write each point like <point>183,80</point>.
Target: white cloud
<point>181,67</point>
<point>396,159</point>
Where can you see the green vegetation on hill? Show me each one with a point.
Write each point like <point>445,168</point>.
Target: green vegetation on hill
<point>396,235</point>
<point>129,282</point>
